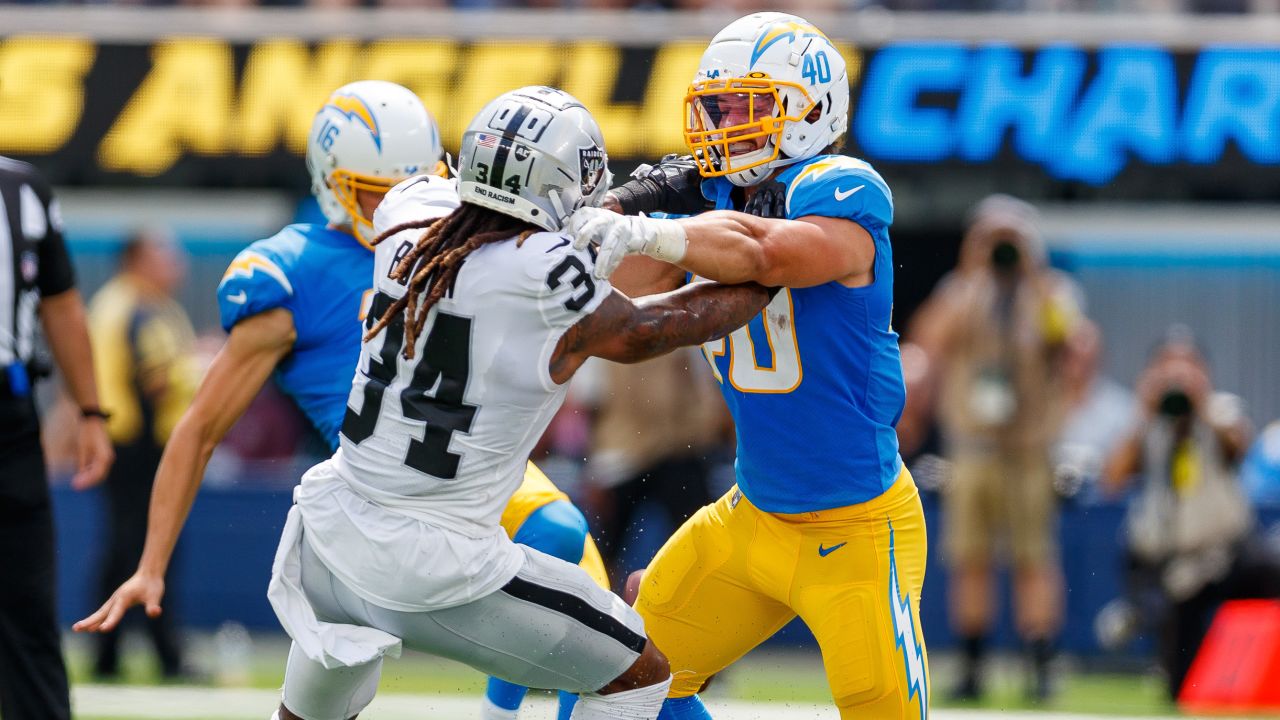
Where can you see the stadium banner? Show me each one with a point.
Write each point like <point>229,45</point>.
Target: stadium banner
<point>231,109</point>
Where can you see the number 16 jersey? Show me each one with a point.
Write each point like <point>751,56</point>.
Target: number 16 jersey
<point>437,443</point>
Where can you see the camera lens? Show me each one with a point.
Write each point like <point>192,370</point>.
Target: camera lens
<point>1175,403</point>
<point>1004,256</point>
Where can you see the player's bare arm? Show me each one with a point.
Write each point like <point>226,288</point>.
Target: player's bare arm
<point>639,275</point>
<point>237,373</point>
<point>630,331</point>
<point>62,317</point>
<point>734,247</point>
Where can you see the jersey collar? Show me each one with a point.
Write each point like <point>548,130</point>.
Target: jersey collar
<point>719,190</point>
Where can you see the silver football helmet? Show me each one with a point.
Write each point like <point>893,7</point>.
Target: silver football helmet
<point>534,153</point>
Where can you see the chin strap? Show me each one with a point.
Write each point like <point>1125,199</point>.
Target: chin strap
<point>558,204</point>
<point>781,161</point>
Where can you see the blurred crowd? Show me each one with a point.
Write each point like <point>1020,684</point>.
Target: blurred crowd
<point>1004,385</point>
<point>731,6</point>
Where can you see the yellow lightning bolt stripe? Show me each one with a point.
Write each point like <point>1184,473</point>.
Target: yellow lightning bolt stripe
<point>822,167</point>
<point>817,170</point>
<point>839,161</point>
<point>904,628</point>
<point>779,30</point>
<point>247,262</point>
<point>790,27</point>
<point>355,107</point>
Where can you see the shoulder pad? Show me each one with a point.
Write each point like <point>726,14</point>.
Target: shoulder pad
<point>544,249</point>
<point>838,186</point>
<point>421,197</point>
<point>255,281</point>
<point>563,281</point>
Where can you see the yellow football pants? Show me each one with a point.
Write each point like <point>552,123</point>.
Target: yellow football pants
<point>536,491</point>
<point>733,575</point>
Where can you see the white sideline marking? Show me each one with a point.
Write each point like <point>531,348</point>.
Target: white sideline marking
<point>178,702</point>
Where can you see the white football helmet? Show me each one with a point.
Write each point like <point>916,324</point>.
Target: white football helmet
<point>369,135</point>
<point>534,153</point>
<point>769,76</point>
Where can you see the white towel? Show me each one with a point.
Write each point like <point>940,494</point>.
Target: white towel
<point>330,644</point>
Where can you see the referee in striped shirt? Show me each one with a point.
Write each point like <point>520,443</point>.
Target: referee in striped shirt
<point>36,282</point>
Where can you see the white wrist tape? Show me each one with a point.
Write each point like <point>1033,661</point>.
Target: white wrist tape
<point>669,242</point>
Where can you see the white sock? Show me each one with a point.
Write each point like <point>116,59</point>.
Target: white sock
<point>490,711</point>
<point>640,704</point>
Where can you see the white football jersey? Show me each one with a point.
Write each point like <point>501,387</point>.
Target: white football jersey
<point>443,438</point>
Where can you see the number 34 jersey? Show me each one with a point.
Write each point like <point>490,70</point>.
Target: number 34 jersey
<point>436,444</point>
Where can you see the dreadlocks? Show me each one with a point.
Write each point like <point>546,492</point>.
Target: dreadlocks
<point>432,265</point>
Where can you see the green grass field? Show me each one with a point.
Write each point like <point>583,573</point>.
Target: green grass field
<point>764,676</point>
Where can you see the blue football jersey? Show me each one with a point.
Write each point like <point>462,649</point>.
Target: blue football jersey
<point>323,277</point>
<point>815,381</point>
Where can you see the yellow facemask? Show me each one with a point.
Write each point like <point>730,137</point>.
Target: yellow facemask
<point>346,186</point>
<point>710,101</point>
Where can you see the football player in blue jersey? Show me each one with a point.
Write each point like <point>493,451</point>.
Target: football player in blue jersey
<point>293,306</point>
<point>825,522</point>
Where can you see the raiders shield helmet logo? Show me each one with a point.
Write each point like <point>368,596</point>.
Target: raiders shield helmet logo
<point>591,167</point>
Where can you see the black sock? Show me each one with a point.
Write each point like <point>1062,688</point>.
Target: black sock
<point>1041,653</point>
<point>1039,688</point>
<point>969,684</point>
<point>975,647</point>
<point>975,650</point>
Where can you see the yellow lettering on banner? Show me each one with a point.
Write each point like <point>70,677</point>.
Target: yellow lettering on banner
<point>492,68</point>
<point>590,76</point>
<point>424,66</point>
<point>673,69</point>
<point>188,102</point>
<point>183,104</point>
<point>284,85</point>
<point>41,91</point>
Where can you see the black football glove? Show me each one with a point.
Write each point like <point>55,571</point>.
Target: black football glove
<point>672,186</point>
<point>770,201</point>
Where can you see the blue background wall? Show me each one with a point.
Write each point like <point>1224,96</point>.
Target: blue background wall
<point>224,563</point>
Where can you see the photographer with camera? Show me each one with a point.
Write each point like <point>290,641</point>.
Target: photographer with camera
<point>989,347</point>
<point>1189,529</point>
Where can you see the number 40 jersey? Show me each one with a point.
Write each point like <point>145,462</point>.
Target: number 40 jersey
<point>444,436</point>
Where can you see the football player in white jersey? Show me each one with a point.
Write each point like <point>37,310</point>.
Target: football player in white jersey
<point>290,304</point>
<point>480,317</point>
